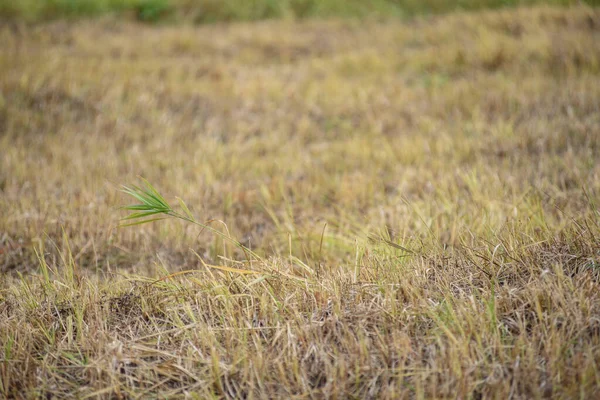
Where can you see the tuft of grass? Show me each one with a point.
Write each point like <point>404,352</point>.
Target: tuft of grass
<point>152,203</point>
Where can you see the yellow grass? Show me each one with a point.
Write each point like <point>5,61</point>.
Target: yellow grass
<point>420,199</point>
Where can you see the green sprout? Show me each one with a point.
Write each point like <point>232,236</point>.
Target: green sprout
<point>152,203</point>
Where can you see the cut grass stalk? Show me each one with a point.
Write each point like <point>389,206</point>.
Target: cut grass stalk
<point>151,202</point>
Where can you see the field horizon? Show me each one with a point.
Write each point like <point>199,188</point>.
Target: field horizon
<point>352,209</point>
<point>224,11</point>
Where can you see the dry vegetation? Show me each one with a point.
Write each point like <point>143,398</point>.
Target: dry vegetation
<point>421,199</point>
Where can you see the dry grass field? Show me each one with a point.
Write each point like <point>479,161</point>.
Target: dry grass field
<point>399,209</point>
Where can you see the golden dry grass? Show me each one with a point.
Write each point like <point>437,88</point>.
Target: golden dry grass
<point>422,197</point>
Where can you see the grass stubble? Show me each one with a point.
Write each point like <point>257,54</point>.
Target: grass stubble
<point>388,210</point>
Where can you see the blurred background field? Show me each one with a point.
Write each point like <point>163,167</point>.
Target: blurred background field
<point>421,193</point>
<point>200,11</point>
<point>278,127</point>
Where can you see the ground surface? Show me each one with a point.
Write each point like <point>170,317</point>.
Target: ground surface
<point>421,198</point>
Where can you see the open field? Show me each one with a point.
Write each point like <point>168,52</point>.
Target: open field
<point>420,198</point>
